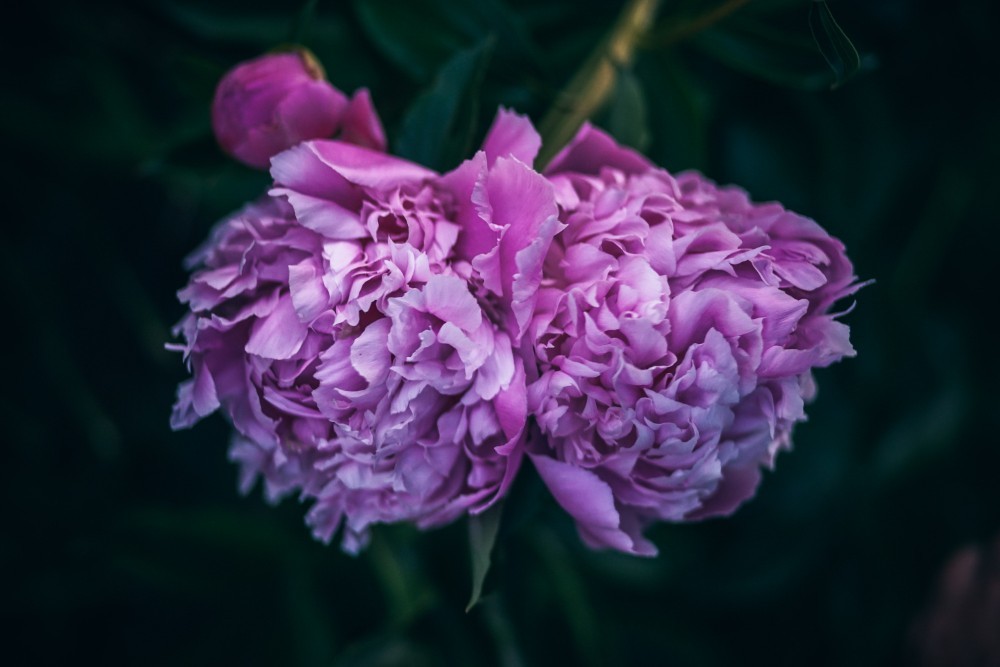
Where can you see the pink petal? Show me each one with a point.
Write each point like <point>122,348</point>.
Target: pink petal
<point>511,135</point>
<point>476,237</point>
<point>361,124</point>
<point>448,298</point>
<point>280,334</point>
<point>589,500</point>
<point>309,296</point>
<point>369,353</point>
<point>591,150</point>
<point>521,200</point>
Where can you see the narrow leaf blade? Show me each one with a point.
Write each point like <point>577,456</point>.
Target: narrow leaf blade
<point>483,530</point>
<point>833,43</point>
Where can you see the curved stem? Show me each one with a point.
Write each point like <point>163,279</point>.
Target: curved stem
<point>591,86</point>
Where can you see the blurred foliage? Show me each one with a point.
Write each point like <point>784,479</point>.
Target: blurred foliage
<point>128,544</point>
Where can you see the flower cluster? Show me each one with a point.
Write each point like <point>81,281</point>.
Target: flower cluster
<point>391,342</point>
<point>359,324</point>
<point>674,338</point>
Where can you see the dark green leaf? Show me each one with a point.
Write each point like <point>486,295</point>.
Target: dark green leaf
<point>679,109</point>
<point>409,34</point>
<point>262,30</point>
<point>627,115</point>
<point>837,49</point>
<point>305,17</point>
<point>419,36</point>
<point>482,536</point>
<point>765,53</point>
<point>438,129</point>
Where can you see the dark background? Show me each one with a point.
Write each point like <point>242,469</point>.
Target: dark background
<point>125,543</point>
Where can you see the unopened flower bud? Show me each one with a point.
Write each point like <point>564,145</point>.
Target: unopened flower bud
<point>266,105</point>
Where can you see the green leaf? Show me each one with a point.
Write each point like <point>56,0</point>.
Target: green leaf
<point>837,49</point>
<point>438,128</point>
<point>409,34</point>
<point>679,109</point>
<point>397,566</point>
<point>262,30</point>
<point>765,53</point>
<point>419,36</point>
<point>628,118</point>
<point>302,22</point>
<point>482,536</point>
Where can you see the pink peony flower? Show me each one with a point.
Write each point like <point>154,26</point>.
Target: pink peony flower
<point>266,105</point>
<point>675,332</point>
<point>359,327</point>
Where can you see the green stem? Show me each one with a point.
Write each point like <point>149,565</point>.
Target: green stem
<point>591,86</point>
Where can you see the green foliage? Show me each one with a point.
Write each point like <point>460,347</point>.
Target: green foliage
<point>483,530</point>
<point>835,46</point>
<point>129,543</point>
<point>439,126</point>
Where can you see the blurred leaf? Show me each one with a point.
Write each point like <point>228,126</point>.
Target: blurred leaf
<point>215,528</point>
<point>504,634</point>
<point>408,590</point>
<point>482,536</point>
<point>262,30</point>
<point>521,505</point>
<point>419,36</point>
<point>303,21</point>
<point>922,436</point>
<point>763,52</point>
<point>837,49</point>
<point>379,650</point>
<point>627,114</point>
<point>438,128</point>
<point>571,590</point>
<point>679,112</point>
<point>313,629</point>
<point>412,34</point>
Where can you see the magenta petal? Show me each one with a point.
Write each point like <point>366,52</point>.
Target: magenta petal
<point>369,355</point>
<point>511,405</point>
<point>511,135</point>
<point>309,295</point>
<point>366,167</point>
<point>449,299</point>
<point>183,414</point>
<point>280,334</point>
<point>590,501</point>
<point>477,236</point>
<point>592,150</point>
<point>334,169</point>
<point>736,487</point>
<point>265,105</point>
<point>361,124</point>
<point>323,216</point>
<point>302,170</point>
<point>521,201</point>
<point>203,396</point>
<point>529,261</point>
<point>312,111</point>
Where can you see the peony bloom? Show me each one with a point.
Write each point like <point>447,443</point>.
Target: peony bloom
<point>360,324</point>
<point>266,105</point>
<point>675,331</point>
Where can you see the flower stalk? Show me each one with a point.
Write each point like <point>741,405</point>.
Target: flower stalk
<point>591,86</point>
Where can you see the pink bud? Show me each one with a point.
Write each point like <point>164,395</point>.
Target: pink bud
<point>266,105</point>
